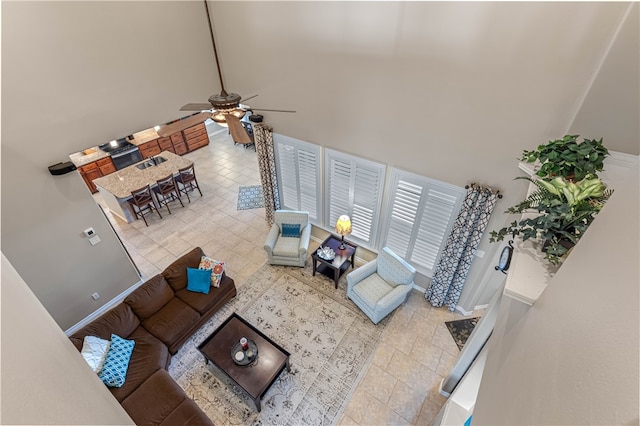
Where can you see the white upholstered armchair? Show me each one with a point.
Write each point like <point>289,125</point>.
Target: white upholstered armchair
<point>288,240</point>
<point>380,286</point>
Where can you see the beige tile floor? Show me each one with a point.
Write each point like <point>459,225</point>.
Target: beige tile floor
<point>416,351</point>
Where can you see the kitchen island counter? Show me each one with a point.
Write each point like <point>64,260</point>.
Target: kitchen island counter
<point>116,188</point>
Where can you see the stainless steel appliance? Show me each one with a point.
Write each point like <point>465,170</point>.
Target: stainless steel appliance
<point>122,153</point>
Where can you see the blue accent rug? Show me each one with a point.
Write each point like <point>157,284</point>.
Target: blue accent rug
<point>250,197</point>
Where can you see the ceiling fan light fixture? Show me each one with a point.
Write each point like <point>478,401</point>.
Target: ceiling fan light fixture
<point>219,116</point>
<point>225,100</point>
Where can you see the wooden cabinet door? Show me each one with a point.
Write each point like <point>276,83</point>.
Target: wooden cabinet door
<point>106,166</point>
<point>149,149</point>
<point>89,172</point>
<point>179,146</point>
<point>166,144</point>
<point>196,137</point>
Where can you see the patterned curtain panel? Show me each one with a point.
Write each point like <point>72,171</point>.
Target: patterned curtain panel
<point>263,137</point>
<point>453,266</point>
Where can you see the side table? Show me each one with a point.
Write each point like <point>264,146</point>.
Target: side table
<point>336,267</point>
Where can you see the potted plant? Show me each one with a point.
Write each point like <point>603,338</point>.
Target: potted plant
<point>568,158</point>
<point>564,210</point>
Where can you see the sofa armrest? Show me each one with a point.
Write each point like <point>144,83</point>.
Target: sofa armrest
<point>357,275</point>
<point>272,237</point>
<point>399,292</point>
<point>305,236</point>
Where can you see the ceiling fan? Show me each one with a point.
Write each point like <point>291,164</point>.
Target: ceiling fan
<point>222,105</point>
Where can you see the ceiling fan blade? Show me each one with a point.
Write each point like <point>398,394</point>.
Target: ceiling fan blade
<point>179,125</point>
<point>246,99</point>
<point>195,107</point>
<point>272,110</point>
<point>238,133</point>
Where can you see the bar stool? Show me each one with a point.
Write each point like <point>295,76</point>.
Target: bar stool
<point>187,181</point>
<point>142,203</point>
<point>167,191</point>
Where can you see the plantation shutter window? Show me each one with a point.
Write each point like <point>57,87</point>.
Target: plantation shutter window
<point>420,215</point>
<point>298,171</point>
<point>354,187</point>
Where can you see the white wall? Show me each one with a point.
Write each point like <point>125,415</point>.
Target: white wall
<point>572,358</point>
<point>612,101</point>
<point>44,378</point>
<point>450,90</point>
<point>75,75</point>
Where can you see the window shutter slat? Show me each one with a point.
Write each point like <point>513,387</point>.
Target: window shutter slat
<point>419,217</point>
<point>298,170</point>
<point>354,188</point>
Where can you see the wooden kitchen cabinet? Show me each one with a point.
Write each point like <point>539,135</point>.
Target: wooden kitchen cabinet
<point>166,144</point>
<point>106,166</point>
<point>179,146</point>
<point>149,149</point>
<point>89,172</point>
<point>196,137</point>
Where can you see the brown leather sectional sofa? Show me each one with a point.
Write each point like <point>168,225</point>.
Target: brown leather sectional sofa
<point>159,316</point>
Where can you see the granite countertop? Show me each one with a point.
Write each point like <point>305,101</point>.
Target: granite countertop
<point>80,159</point>
<point>122,182</point>
<point>144,136</point>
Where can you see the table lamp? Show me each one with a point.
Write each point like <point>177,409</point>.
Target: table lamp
<point>343,227</point>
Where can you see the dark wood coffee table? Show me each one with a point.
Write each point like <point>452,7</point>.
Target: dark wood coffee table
<point>256,377</point>
<point>336,267</point>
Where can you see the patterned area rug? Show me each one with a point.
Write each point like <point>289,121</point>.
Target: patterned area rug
<point>330,340</point>
<point>250,197</point>
<point>461,330</point>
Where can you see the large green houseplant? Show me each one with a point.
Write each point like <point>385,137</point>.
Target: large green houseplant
<point>568,158</point>
<point>564,210</point>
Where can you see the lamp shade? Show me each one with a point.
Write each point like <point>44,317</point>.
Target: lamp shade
<point>343,225</point>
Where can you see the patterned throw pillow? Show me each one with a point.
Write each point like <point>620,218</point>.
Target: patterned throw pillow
<point>291,230</point>
<point>199,280</point>
<point>94,351</point>
<point>114,370</point>
<point>217,268</point>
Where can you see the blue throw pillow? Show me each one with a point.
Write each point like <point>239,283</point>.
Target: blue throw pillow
<point>199,280</point>
<point>114,370</point>
<point>291,230</point>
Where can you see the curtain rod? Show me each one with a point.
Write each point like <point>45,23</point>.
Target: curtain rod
<point>483,188</point>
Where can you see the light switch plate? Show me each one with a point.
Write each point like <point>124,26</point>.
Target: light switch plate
<point>94,240</point>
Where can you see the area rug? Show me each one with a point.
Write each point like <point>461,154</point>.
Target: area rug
<point>330,340</point>
<point>461,330</point>
<point>250,197</point>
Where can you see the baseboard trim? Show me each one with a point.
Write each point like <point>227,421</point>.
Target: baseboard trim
<point>442,391</point>
<point>462,311</point>
<point>101,310</point>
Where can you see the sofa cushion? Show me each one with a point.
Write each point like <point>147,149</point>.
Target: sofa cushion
<point>149,355</point>
<point>372,289</point>
<point>94,351</point>
<point>114,370</point>
<point>187,413</point>
<point>287,247</point>
<point>216,297</point>
<point>176,273</point>
<point>154,400</point>
<point>147,299</point>
<point>120,320</point>
<point>217,269</point>
<point>198,280</point>
<point>171,321</point>
<point>291,230</point>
